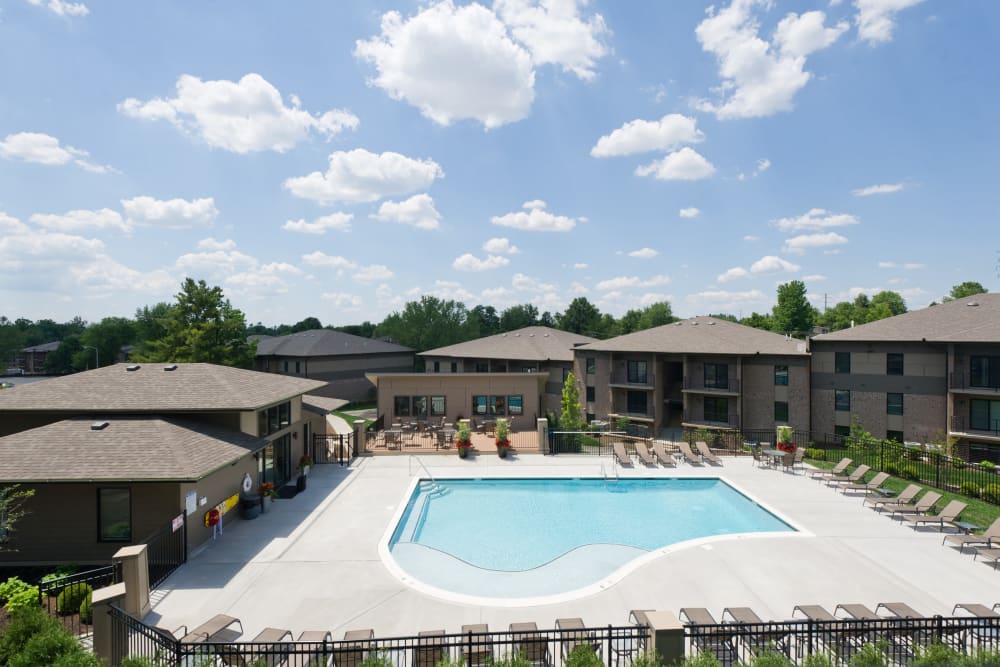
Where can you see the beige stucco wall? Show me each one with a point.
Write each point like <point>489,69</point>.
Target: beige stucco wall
<point>215,488</point>
<point>458,390</point>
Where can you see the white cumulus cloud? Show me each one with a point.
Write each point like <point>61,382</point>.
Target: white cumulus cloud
<point>644,253</point>
<point>62,8</point>
<point>555,33</point>
<point>170,213</point>
<point>641,136</point>
<point>48,150</point>
<point>623,282</point>
<point>79,220</point>
<point>469,262</point>
<point>344,300</point>
<point>686,164</point>
<point>690,212</point>
<point>362,176</point>
<point>417,211</point>
<point>803,242</point>
<point>883,189</point>
<point>876,19</point>
<point>815,219</point>
<point>212,243</point>
<point>773,264</point>
<point>500,246</point>
<point>452,63</point>
<point>240,116</point>
<point>734,273</point>
<point>10,226</point>
<point>535,219</point>
<point>339,221</point>
<point>359,272</point>
<point>909,266</point>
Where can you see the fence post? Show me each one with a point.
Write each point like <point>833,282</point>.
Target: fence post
<point>102,600</point>
<point>938,627</point>
<point>542,426</point>
<point>359,435</point>
<point>135,575</point>
<point>468,650</point>
<point>809,642</point>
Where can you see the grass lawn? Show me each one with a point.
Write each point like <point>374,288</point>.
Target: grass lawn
<point>350,419</point>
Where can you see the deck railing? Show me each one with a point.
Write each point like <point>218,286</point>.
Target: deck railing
<point>75,587</point>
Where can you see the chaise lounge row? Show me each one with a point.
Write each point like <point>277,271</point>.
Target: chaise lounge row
<point>666,458</point>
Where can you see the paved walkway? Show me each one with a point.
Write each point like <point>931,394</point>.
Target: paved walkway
<point>313,563</point>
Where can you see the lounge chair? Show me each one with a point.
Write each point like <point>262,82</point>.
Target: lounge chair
<point>643,453</point>
<point>905,497</point>
<point>760,640</point>
<point>987,537</point>
<point>947,516</point>
<point>311,656</point>
<point>925,504</point>
<point>978,610</point>
<point>709,640</point>
<point>662,455</point>
<point>707,453</point>
<point>899,610</point>
<point>857,611</point>
<point>574,635</point>
<point>868,487</point>
<point>477,648</point>
<point>813,612</point>
<point>208,630</point>
<point>836,642</point>
<point>261,650</point>
<point>354,649</point>
<point>621,455</point>
<point>988,554</point>
<point>833,472</point>
<point>689,456</point>
<point>640,617</point>
<point>526,642</point>
<point>430,649</point>
<point>853,478</point>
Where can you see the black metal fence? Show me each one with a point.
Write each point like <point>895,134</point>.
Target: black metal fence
<point>166,549</point>
<point>594,443</point>
<point>614,646</point>
<point>339,448</point>
<point>416,440</point>
<point>64,597</point>
<point>893,641</point>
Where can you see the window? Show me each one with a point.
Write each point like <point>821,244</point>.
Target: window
<point>438,406</point>
<point>515,404</point>
<point>781,411</point>
<point>437,366</point>
<point>591,417</point>
<point>565,374</point>
<point>401,406</point>
<point>842,431</point>
<point>636,402</point>
<point>894,363</point>
<point>894,404</point>
<point>984,415</point>
<point>781,375</point>
<point>716,409</point>
<point>716,376</point>
<point>591,365</point>
<point>114,515</point>
<point>274,418</point>
<point>285,366</point>
<point>482,367</point>
<point>479,405</point>
<point>274,461</point>
<point>636,372</point>
<point>591,393</point>
<point>454,367</point>
<point>842,400</point>
<point>498,405</point>
<point>842,362</point>
<point>419,407</point>
<point>985,372</point>
<point>894,435</point>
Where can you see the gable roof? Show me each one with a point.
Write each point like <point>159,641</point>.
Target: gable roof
<point>529,344</point>
<point>128,449</point>
<point>974,319</point>
<point>151,388</point>
<point>324,343</point>
<point>702,335</point>
<point>44,347</point>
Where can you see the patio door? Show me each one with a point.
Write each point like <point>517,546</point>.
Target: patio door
<point>274,463</point>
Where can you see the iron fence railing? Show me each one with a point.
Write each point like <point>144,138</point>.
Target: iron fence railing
<point>634,379</point>
<point>414,440</point>
<point>63,597</point>
<point>339,448</point>
<point>594,443</point>
<point>166,549</point>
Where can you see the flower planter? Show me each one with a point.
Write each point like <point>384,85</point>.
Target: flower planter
<point>305,470</point>
<point>266,503</point>
<point>463,451</point>
<point>502,452</point>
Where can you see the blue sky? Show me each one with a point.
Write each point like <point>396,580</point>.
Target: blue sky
<point>337,159</point>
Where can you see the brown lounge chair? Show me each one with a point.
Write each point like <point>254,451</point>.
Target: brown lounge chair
<point>988,554</point>
<point>947,516</point>
<point>430,649</point>
<point>574,635</point>
<point>857,611</point>
<point>621,455</point>
<point>710,640</point>
<point>354,649</point>
<point>707,453</point>
<point>689,456</point>
<point>756,641</point>
<point>905,497</point>
<point>477,648</point>
<point>899,610</point>
<point>987,537</point>
<point>310,656</point>
<point>978,610</point>
<point>925,504</point>
<point>853,478</point>
<point>876,482</point>
<point>643,453</point>
<point>833,472</point>
<point>526,642</point>
<point>813,612</point>
<point>208,630</point>
<point>662,455</point>
<point>261,650</point>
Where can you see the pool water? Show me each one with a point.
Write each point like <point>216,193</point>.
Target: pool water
<point>527,525</point>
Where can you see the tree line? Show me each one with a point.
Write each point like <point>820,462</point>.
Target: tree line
<point>202,325</point>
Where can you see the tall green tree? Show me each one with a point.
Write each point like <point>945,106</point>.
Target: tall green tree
<point>308,324</point>
<point>108,336</point>
<point>483,321</point>
<point>757,321</point>
<point>570,414</point>
<point>962,290</point>
<point>150,324</point>
<point>64,358</point>
<point>582,317</point>
<point>518,317</point>
<point>201,326</point>
<point>793,314</point>
<point>656,315</point>
<point>426,324</point>
<point>12,500</point>
<point>366,329</point>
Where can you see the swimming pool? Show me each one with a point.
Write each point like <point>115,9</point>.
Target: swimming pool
<point>517,538</point>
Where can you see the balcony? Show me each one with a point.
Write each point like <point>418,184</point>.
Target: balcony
<point>733,421</point>
<point>961,426</point>
<point>962,383</point>
<point>696,385</point>
<point>642,381</point>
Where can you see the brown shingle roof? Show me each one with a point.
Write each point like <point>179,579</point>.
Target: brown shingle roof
<point>702,335</point>
<point>189,388</point>
<point>957,321</point>
<point>529,344</point>
<point>129,448</point>
<point>324,343</point>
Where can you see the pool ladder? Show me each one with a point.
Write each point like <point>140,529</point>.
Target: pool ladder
<point>614,472</point>
<point>434,487</point>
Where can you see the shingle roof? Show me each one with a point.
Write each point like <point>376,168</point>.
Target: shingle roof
<point>44,347</point>
<point>324,343</point>
<point>974,319</point>
<point>321,404</point>
<point>529,344</point>
<point>151,389</point>
<point>702,335</point>
<point>129,448</point>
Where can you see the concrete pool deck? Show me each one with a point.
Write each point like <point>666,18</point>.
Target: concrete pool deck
<point>313,561</point>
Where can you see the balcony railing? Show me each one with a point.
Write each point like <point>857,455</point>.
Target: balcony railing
<point>698,384</point>
<point>732,421</point>
<point>961,380</point>
<point>962,424</point>
<point>634,379</point>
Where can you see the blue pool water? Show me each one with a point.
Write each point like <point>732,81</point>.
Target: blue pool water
<point>519,525</point>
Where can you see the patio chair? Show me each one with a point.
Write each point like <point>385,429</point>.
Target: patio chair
<point>477,648</point>
<point>757,640</point>
<point>574,635</point>
<point>643,453</point>
<point>799,461</point>
<point>788,461</point>
<point>707,453</point>
<point>986,537</point>
<point>988,554</point>
<point>925,504</point>
<point>261,650</point>
<point>868,487</point>
<point>689,456</point>
<point>661,454</point>
<point>947,516</point>
<point>978,610</point>
<point>757,457</point>
<point>310,656</point>
<point>208,630</point>
<point>813,612</point>
<point>713,640</point>
<point>621,455</point>
<point>526,642</point>
<point>832,472</point>
<point>853,478</point>
<point>353,650</point>
<point>639,617</point>
<point>857,611</point>
<point>430,649</point>
<point>905,497</point>
<point>899,610</point>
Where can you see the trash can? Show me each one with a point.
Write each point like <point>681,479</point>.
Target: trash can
<point>300,484</point>
<point>250,506</point>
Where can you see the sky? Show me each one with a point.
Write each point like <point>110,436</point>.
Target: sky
<point>338,159</point>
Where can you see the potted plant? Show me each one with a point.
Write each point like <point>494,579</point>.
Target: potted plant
<point>785,435</point>
<point>503,437</point>
<point>267,493</point>
<point>304,463</point>
<point>463,440</point>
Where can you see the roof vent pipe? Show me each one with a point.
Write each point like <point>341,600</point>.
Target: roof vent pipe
<point>171,367</point>
<point>133,367</point>
<point>98,426</point>
<point>852,324</point>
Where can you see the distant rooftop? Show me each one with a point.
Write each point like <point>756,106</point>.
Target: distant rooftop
<point>323,343</point>
<point>44,347</point>
<point>529,344</point>
<point>702,335</point>
<point>974,319</point>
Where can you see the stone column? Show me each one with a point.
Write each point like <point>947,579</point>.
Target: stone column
<point>667,635</point>
<point>135,575</point>
<point>103,598</point>
<point>542,424</point>
<point>360,436</point>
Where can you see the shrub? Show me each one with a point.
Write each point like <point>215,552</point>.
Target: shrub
<point>813,660</point>
<point>909,472</point>
<point>870,655</point>
<point>970,489</point>
<point>72,597</point>
<point>771,658</point>
<point>376,660</point>
<point>27,597</point>
<point>513,660</point>
<point>34,638</point>
<point>87,609</point>
<point>59,573</point>
<point>958,462</point>
<point>647,660</point>
<point>984,658</point>
<point>914,454</point>
<point>10,588</point>
<point>816,454</point>
<point>583,656</point>
<point>987,465</point>
<point>991,494</point>
<point>891,468</point>
<point>936,655</point>
<point>703,659</point>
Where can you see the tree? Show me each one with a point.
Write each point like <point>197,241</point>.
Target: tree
<point>12,500</point>
<point>307,324</point>
<point>581,317</point>
<point>483,321</point>
<point>656,315</point>
<point>757,321</point>
<point>366,329</point>
<point>202,326</point>
<point>149,324</point>
<point>893,301</point>
<point>793,314</point>
<point>570,415</point>
<point>965,289</point>
<point>426,324</point>
<point>62,359</point>
<point>518,317</point>
<point>109,336</point>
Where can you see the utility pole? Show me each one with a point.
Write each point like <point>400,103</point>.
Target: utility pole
<point>97,354</point>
